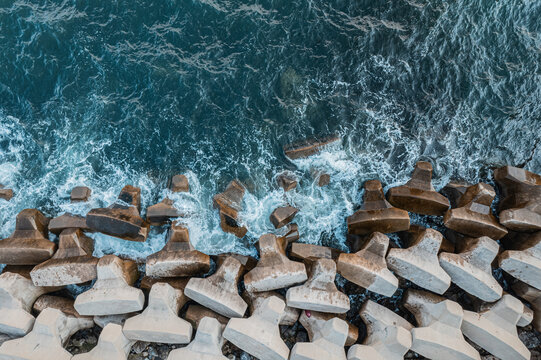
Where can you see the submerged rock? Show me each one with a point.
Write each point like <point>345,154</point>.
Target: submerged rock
<point>286,181</point>
<point>308,147</point>
<point>5,194</point>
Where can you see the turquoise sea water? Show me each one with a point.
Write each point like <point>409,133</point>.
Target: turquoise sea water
<point>106,93</point>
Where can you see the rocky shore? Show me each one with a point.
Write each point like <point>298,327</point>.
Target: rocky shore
<point>403,290</point>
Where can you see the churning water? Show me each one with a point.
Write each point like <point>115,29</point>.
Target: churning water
<point>109,93</point>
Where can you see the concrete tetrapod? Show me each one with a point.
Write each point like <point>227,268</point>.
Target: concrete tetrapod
<point>471,269</point>
<point>51,331</point>
<point>533,296</point>
<point>438,335</point>
<point>259,335</point>
<point>229,203</point>
<point>112,292</point>
<point>207,344</point>
<point>255,300</point>
<point>160,322</point>
<point>419,262</point>
<point>388,335</point>
<point>314,324</point>
<point>326,345</point>
<point>112,345</point>
<point>524,263</point>
<point>495,329</point>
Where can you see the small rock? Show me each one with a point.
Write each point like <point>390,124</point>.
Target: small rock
<point>179,183</point>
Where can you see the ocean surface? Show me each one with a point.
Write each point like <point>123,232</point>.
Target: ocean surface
<point>109,93</point>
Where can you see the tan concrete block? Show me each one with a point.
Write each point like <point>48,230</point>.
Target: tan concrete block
<point>255,300</point>
<point>438,334</point>
<point>112,292</point>
<point>195,313</point>
<point>471,269</point>
<point>319,293</point>
<point>179,183</point>
<point>80,193</point>
<point>57,302</point>
<point>67,221</point>
<point>219,292</point>
<point>112,345</point>
<point>419,262</point>
<point>326,345</point>
<point>533,296</point>
<point>259,335</point>
<point>312,252</point>
<point>229,202</point>
<point>368,267</point>
<point>162,212</point>
<point>524,263</point>
<point>286,181</point>
<point>207,344</point>
<point>308,147</point>
<point>274,270</point>
<point>314,323</point>
<point>282,216</point>
<point>495,329</point>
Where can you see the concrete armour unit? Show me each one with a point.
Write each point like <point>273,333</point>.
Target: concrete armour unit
<point>418,195</point>
<point>207,344</point>
<point>282,216</point>
<point>520,208</point>
<point>160,322</point>
<point>229,203</point>
<point>67,221</point>
<point>5,194</point>
<point>308,147</point>
<point>310,252</point>
<point>57,302</point>
<point>388,335</point>
<point>29,243</point>
<point>17,295</point>
<point>319,293</point>
<point>326,345</point>
<point>471,269</point>
<point>255,300</point>
<point>286,181</point>
<point>80,194</point>
<point>438,335</point>
<point>219,292</point>
<point>314,324</point>
<point>179,183</point>
<point>73,263</point>
<point>162,212</point>
<point>419,262</point>
<point>122,219</point>
<point>473,216</point>
<point>377,214</point>
<point>178,257</point>
<point>524,263</point>
<point>112,345</point>
<point>119,319</point>
<point>368,268</point>
<point>274,270</point>
<point>195,313</point>
<point>259,335</point>
<point>533,296</point>
<point>51,331</point>
<point>112,292</point>
<point>495,329</point>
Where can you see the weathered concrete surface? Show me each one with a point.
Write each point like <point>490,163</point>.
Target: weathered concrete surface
<point>310,252</point>
<point>160,322</point>
<point>178,283</point>
<point>473,216</point>
<point>45,342</point>
<point>195,313</point>
<point>308,147</point>
<point>112,292</point>
<point>274,270</point>
<point>178,257</point>
<point>162,212</point>
<point>495,330</point>
<point>57,302</point>
<point>255,300</point>
<point>454,191</point>
<point>290,233</point>
<point>368,268</point>
<point>207,344</point>
<point>533,296</point>
<point>80,193</point>
<point>326,345</point>
<point>17,295</point>
<point>286,181</point>
<point>219,292</point>
<point>179,183</point>
<point>118,319</point>
<point>112,345</point>
<point>121,219</point>
<point>28,244</point>
<point>524,263</point>
<point>314,324</point>
<point>377,214</point>
<point>259,335</point>
<point>471,269</point>
<point>520,207</point>
<point>438,334</point>
<point>229,202</point>
<point>67,221</point>
<point>73,263</point>
<point>418,195</point>
<point>419,262</point>
<point>319,293</point>
<point>283,215</point>
<point>388,335</point>
<point>5,194</point>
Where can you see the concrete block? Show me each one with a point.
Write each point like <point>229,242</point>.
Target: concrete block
<point>119,319</point>
<point>319,293</point>
<point>368,267</point>
<point>207,344</point>
<point>377,214</point>
<point>112,292</point>
<point>438,334</point>
<point>229,203</point>
<point>495,330</point>
<point>310,252</point>
<point>160,322</point>
<point>255,300</point>
<point>162,213</point>
<point>419,262</point>
<point>308,147</point>
<point>314,324</point>
<point>219,292</point>
<point>524,263</point>
<point>326,345</point>
<point>388,335</point>
<point>80,193</point>
<point>179,183</point>
<point>259,335</point>
<point>57,302</point>
<point>274,270</point>
<point>67,221</point>
<point>471,269</point>
<point>473,216</point>
<point>195,313</point>
<point>286,181</point>
<point>112,345</point>
<point>282,216</point>
<point>533,296</point>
